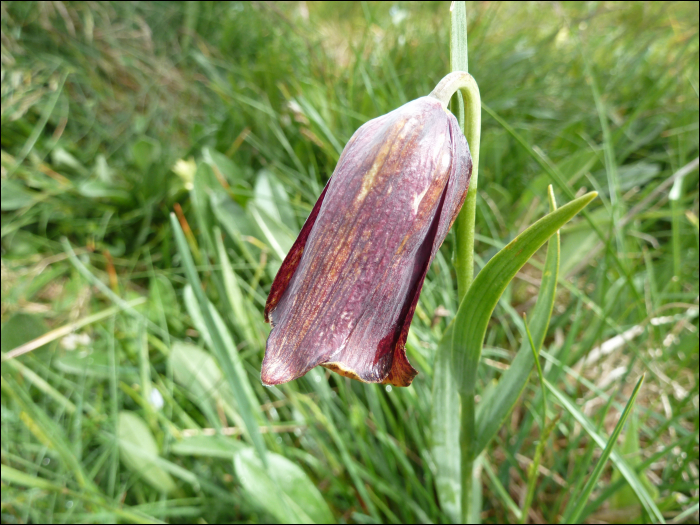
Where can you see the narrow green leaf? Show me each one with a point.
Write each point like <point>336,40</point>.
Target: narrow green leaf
<point>627,472</point>
<point>40,383</point>
<point>533,470</point>
<point>241,307</point>
<point>475,310</point>
<point>231,351</point>
<point>125,306</point>
<point>536,357</point>
<point>11,476</point>
<point>500,491</point>
<point>45,430</point>
<point>38,128</point>
<point>687,513</point>
<point>204,184</point>
<point>218,346</point>
<point>574,512</point>
<point>163,306</point>
<point>445,430</point>
<point>631,451</point>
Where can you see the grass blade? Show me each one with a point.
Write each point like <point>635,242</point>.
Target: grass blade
<point>558,179</point>
<point>13,476</point>
<point>628,473</point>
<point>573,515</point>
<point>222,355</point>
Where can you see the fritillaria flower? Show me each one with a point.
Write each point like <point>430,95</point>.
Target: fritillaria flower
<point>345,294</point>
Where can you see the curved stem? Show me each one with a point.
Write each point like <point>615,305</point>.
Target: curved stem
<point>464,227</point>
<point>464,263</point>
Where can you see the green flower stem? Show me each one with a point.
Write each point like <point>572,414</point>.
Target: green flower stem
<point>464,262</point>
<point>466,455</point>
<point>464,227</point>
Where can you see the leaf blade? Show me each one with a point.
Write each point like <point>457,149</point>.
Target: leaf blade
<point>475,310</point>
<point>445,430</point>
<point>498,400</point>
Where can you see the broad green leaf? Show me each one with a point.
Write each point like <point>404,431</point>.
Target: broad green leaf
<point>230,171</point>
<point>102,169</point>
<point>636,174</point>
<point>498,400</point>
<point>233,376</point>
<point>142,455</point>
<point>60,158</point>
<point>94,364</point>
<point>445,430</point>
<point>199,374</point>
<point>627,472</point>
<point>208,446</point>
<point>284,489</point>
<point>14,196</point>
<point>97,189</point>
<point>578,503</point>
<point>475,310</point>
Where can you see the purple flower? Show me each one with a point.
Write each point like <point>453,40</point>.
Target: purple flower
<point>345,294</point>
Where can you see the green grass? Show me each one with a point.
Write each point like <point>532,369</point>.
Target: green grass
<point>109,417</point>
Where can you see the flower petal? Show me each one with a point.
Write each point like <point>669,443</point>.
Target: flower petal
<point>348,289</point>
<point>402,373</point>
<point>291,261</point>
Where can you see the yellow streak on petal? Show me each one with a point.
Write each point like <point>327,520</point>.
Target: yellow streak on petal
<point>343,370</point>
<point>368,179</point>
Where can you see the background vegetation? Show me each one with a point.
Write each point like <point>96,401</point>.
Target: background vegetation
<point>233,116</point>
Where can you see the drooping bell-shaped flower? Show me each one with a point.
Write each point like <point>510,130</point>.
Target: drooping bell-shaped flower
<point>345,294</point>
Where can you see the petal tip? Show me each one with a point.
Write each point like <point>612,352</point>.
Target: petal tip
<point>275,375</point>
